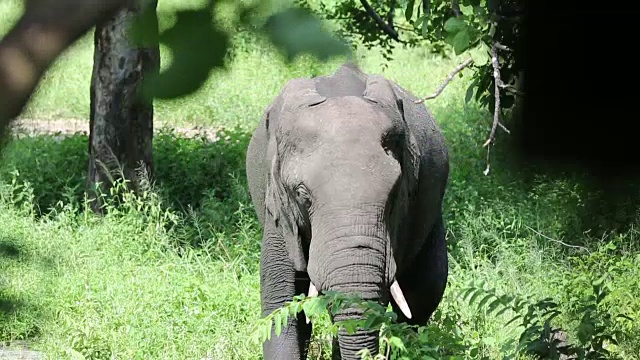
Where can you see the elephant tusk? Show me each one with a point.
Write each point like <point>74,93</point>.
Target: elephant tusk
<point>397,295</point>
<point>313,291</point>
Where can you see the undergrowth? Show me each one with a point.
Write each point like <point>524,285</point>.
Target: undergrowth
<point>156,278</point>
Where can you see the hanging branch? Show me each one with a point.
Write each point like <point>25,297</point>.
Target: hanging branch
<point>45,30</point>
<point>387,28</point>
<point>498,84</point>
<point>459,68</point>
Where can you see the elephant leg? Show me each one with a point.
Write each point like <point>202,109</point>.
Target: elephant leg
<point>424,282</point>
<point>278,284</point>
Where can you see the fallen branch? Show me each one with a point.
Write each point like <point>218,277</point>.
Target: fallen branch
<point>557,241</point>
<point>387,28</point>
<point>45,30</point>
<point>498,84</point>
<point>447,81</point>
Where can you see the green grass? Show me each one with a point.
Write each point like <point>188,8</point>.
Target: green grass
<point>176,276</point>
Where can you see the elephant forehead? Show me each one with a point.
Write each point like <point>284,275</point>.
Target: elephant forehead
<point>350,117</point>
<point>350,121</point>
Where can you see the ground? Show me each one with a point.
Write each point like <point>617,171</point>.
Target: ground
<point>66,127</point>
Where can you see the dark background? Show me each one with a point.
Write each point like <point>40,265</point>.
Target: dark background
<point>580,109</point>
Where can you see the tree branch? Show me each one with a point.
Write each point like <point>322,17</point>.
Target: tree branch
<point>501,47</point>
<point>392,10</point>
<point>45,30</point>
<point>455,7</point>
<point>447,81</point>
<point>557,241</point>
<point>498,84</point>
<point>389,30</point>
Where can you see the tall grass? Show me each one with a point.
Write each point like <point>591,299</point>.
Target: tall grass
<point>174,275</point>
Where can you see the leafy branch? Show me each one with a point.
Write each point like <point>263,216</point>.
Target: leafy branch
<point>486,26</point>
<point>539,338</point>
<point>399,340</point>
<point>386,27</point>
<point>197,41</point>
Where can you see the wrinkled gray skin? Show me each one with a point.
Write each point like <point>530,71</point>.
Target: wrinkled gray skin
<point>347,175</point>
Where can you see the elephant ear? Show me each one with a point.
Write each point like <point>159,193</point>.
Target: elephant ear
<point>280,202</point>
<point>380,91</point>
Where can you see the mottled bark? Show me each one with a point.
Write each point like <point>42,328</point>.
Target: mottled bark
<point>121,121</point>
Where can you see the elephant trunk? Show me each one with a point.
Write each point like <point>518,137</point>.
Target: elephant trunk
<point>350,252</point>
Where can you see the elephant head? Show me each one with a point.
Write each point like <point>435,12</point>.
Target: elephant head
<point>340,183</point>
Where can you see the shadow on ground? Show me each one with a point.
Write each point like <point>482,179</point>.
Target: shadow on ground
<point>519,195</point>
<point>23,330</point>
<point>188,169</point>
<point>9,249</point>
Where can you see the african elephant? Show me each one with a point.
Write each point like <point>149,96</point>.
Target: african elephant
<point>347,175</point>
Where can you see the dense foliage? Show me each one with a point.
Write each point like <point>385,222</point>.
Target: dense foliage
<point>293,26</point>
<point>440,25</point>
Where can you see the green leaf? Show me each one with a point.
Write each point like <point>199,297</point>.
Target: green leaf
<point>397,343</point>
<point>483,56</point>
<point>278,322</point>
<point>461,42</point>
<point>624,316</point>
<point>425,27</point>
<point>466,10</point>
<point>477,293</point>
<point>479,11</point>
<point>408,13</point>
<point>489,296</point>
<point>197,47</point>
<point>597,283</point>
<point>513,319</point>
<point>315,306</point>
<point>454,25</point>
<point>296,30</point>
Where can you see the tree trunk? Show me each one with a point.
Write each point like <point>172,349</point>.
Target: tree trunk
<point>121,121</point>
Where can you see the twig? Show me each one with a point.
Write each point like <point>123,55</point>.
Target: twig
<point>389,30</point>
<point>512,89</point>
<point>501,47</point>
<point>388,354</point>
<point>498,84</point>
<point>557,241</point>
<point>447,81</point>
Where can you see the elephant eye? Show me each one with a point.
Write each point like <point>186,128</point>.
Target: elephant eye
<point>302,193</point>
<point>392,143</point>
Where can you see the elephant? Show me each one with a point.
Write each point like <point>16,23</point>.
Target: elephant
<point>347,175</point>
